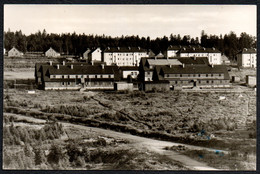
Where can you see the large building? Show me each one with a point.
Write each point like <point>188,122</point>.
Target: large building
<point>75,76</point>
<point>51,53</point>
<point>247,58</point>
<point>213,54</point>
<point>124,56</point>
<point>14,52</point>
<point>190,76</point>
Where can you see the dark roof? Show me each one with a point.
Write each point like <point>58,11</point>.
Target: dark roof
<point>194,60</point>
<point>129,68</point>
<point>248,51</point>
<point>198,50</point>
<point>191,69</point>
<point>124,49</point>
<point>174,47</point>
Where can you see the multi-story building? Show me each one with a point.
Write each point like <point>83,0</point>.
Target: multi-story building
<point>75,76</point>
<point>247,58</point>
<point>213,55</point>
<point>51,53</point>
<point>124,56</point>
<point>14,52</point>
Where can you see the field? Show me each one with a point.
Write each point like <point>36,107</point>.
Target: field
<point>223,120</point>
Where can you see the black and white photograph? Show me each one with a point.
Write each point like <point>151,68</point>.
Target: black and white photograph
<point>165,87</point>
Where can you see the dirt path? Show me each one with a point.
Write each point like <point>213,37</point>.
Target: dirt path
<point>141,142</point>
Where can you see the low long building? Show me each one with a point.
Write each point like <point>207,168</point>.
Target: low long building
<point>75,76</point>
<point>189,76</point>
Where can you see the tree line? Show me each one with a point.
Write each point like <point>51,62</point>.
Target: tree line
<point>76,44</point>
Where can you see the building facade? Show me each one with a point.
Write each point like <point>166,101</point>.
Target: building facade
<point>172,50</point>
<point>213,55</point>
<point>247,58</point>
<point>190,76</point>
<point>51,53</point>
<point>14,52</point>
<point>123,56</point>
<point>75,76</point>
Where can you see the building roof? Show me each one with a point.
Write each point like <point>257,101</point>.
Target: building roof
<point>51,49</point>
<point>174,47</point>
<point>125,49</point>
<point>248,51</point>
<point>193,60</point>
<point>200,69</point>
<point>129,68</point>
<point>163,62</point>
<point>198,50</point>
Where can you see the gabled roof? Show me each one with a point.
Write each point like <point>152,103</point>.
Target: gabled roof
<point>198,50</point>
<point>174,47</point>
<point>125,49</point>
<point>128,68</point>
<point>248,51</point>
<point>163,62</point>
<point>194,60</point>
<point>200,69</point>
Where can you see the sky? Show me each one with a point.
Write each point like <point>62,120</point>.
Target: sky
<point>143,20</point>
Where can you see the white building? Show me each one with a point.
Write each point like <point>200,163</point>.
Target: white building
<point>247,58</point>
<point>51,53</point>
<point>124,56</point>
<point>14,53</point>
<point>95,55</point>
<point>133,71</point>
<point>172,50</point>
<point>213,55</point>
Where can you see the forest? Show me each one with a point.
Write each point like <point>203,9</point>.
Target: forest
<point>76,44</point>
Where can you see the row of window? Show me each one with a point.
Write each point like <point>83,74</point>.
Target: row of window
<point>84,76</point>
<point>194,75</point>
<point>88,83</point>
<point>208,82</point>
<point>126,54</point>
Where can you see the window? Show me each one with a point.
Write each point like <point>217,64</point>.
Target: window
<point>219,75</point>
<point>54,76</point>
<point>207,81</point>
<point>132,73</point>
<point>188,75</point>
<point>68,83</point>
<point>211,75</point>
<point>101,76</point>
<point>148,73</point>
<point>199,75</point>
<point>194,75</point>
<point>76,76</point>
<point>206,75</point>
<point>81,76</point>
<point>168,75</point>
<point>180,75</point>
<point>212,81</point>
<point>68,76</point>
<point>62,76</point>
<point>95,76</point>
<point>62,83</point>
<point>109,76</point>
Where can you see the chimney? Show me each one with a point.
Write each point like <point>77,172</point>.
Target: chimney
<point>204,48</point>
<point>139,48</point>
<point>129,48</point>
<point>193,48</point>
<point>213,48</point>
<point>183,65</point>
<point>58,66</point>
<point>118,48</point>
<point>103,66</point>
<point>108,48</point>
<point>170,65</point>
<point>51,63</point>
<point>184,48</point>
<point>63,63</point>
<point>71,66</point>
<point>92,62</point>
<point>212,66</point>
<point>194,57</point>
<point>245,49</point>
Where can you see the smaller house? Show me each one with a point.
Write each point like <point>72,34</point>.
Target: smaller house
<point>251,80</point>
<point>129,71</point>
<point>86,54</point>
<point>14,52</point>
<point>225,60</point>
<point>51,53</point>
